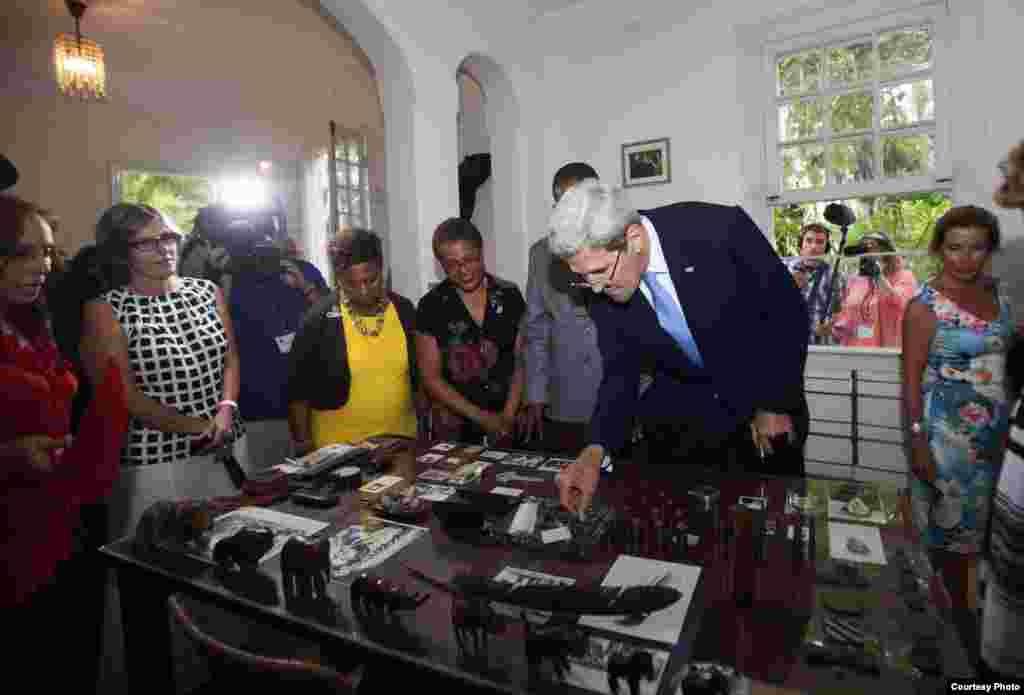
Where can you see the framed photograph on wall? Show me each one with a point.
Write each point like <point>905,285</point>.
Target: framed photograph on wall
<point>646,162</point>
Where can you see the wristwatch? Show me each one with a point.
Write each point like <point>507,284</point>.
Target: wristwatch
<point>916,427</point>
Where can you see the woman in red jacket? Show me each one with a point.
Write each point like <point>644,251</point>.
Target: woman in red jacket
<point>45,478</point>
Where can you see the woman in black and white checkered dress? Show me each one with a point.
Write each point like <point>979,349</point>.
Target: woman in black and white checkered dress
<point>172,336</point>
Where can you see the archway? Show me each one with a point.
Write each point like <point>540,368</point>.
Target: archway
<point>503,124</point>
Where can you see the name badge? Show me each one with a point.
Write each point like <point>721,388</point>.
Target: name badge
<point>284,342</point>
<point>865,332</point>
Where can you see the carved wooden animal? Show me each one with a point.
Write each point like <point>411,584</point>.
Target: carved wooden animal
<point>370,593</point>
<point>631,666</point>
<point>305,568</point>
<point>244,548</point>
<point>473,620</point>
<point>552,643</point>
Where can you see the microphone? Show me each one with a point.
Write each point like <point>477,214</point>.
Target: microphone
<point>839,215</point>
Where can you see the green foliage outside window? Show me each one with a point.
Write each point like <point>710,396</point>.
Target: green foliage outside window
<point>906,219</point>
<point>179,196</point>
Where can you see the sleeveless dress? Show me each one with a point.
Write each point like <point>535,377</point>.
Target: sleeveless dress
<point>966,418</point>
<point>176,345</point>
<point>380,399</point>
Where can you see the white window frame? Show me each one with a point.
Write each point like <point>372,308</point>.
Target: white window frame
<point>318,203</point>
<point>805,35</point>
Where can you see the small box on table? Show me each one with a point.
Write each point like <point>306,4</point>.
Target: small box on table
<point>384,485</point>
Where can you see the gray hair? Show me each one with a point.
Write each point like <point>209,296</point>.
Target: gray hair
<point>591,214</point>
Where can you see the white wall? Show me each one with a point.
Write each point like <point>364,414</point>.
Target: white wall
<point>474,139</point>
<point>185,102</point>
<point>614,73</point>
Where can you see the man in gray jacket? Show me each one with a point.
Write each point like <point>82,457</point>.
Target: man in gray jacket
<point>563,363</point>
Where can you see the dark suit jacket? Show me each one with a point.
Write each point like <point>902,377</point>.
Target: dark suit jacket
<point>746,315</point>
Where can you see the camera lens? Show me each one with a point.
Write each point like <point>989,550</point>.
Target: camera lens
<point>869,267</point>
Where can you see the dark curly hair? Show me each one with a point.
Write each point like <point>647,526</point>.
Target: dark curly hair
<point>965,216</point>
<point>355,246</point>
<point>456,229</point>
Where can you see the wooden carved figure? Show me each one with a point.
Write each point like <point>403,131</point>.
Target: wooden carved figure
<point>473,620</point>
<point>371,593</point>
<point>306,568</point>
<point>243,549</point>
<point>630,665</point>
<point>552,642</point>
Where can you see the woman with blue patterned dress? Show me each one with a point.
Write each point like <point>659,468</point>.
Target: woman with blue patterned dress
<point>957,331</point>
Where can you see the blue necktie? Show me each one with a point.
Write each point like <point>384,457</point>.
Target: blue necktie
<point>671,318</point>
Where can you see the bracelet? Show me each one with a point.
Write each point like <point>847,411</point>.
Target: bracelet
<point>233,404</point>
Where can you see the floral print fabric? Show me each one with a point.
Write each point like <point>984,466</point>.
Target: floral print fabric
<point>477,360</point>
<point>966,417</point>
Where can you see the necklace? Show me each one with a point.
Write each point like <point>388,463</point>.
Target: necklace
<point>362,324</point>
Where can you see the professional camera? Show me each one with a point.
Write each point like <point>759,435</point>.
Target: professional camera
<point>869,267</point>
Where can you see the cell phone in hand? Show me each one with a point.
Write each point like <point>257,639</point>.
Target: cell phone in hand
<point>199,444</point>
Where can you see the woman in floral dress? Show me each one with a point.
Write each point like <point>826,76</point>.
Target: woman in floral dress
<point>468,341</point>
<point>956,334</point>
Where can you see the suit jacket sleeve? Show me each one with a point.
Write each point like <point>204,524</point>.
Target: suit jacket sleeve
<point>612,421</point>
<point>778,315</point>
<point>537,328</point>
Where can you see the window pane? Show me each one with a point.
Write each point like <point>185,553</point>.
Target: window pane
<point>851,64</point>
<point>803,166</point>
<point>903,51</point>
<point>179,196</point>
<point>908,155</point>
<point>853,160</point>
<point>798,73</point>
<point>354,174</point>
<point>800,120</point>
<point>354,151</point>
<point>357,205</point>
<point>907,104</point>
<point>852,112</point>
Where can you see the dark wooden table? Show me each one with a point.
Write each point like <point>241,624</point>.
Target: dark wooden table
<point>763,640</point>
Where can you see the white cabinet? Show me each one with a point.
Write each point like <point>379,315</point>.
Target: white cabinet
<point>854,399</point>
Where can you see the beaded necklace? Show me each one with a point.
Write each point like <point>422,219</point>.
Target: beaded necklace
<point>361,322</point>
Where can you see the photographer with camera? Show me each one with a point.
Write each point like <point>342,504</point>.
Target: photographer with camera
<point>875,298</point>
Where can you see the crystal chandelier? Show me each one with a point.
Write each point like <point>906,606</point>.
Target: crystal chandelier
<point>79,61</point>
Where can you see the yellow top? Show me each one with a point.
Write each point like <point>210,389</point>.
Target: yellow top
<point>380,394</point>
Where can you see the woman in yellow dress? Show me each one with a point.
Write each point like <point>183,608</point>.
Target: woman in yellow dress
<point>352,367</point>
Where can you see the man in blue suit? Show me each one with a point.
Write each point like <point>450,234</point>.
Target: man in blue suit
<point>717,318</point>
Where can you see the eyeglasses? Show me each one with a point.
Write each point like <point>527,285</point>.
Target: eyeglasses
<point>451,265</point>
<point>155,244</point>
<point>28,252</point>
<point>594,280</point>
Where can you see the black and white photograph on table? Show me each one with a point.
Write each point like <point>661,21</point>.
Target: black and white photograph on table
<point>359,547</point>
<point>646,162</point>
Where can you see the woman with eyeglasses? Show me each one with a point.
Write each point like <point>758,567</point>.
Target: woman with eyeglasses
<point>468,341</point>
<point>173,338</point>
<point>47,591</point>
